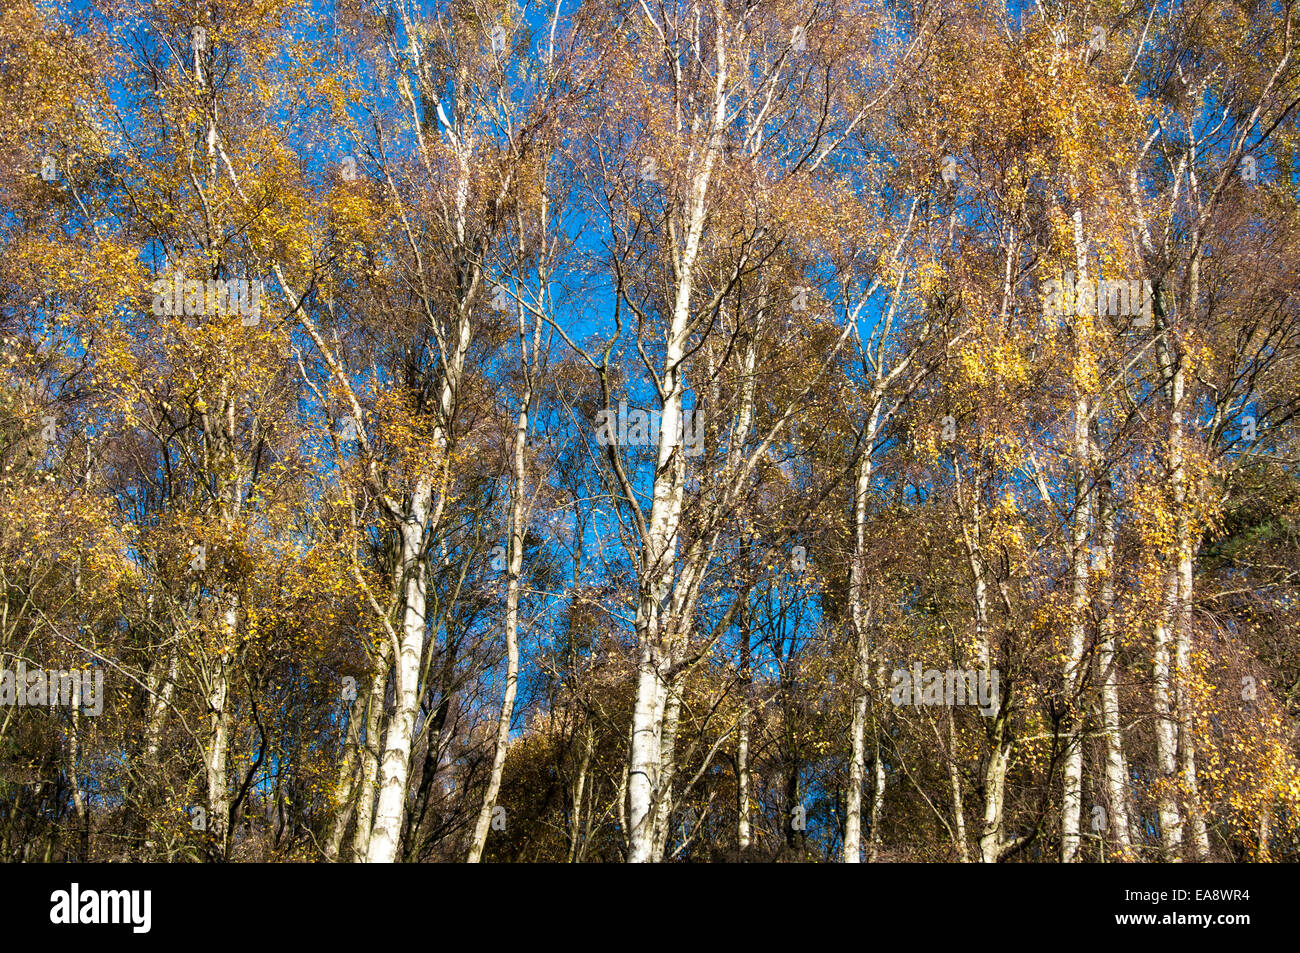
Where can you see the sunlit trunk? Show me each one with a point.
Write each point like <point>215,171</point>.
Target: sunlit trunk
<point>515,559</point>
<point>396,761</point>
<point>861,619</point>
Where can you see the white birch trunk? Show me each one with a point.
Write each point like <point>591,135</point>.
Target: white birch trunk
<point>958,807</point>
<point>1072,769</point>
<point>1081,458</point>
<point>991,843</point>
<point>161,690</point>
<point>218,752</point>
<point>514,569</point>
<point>743,834</point>
<point>667,772</point>
<point>1171,824</point>
<point>1187,545</point>
<point>344,805</point>
<point>995,777</point>
<point>657,571</point>
<point>861,617</point>
<point>877,803</point>
<point>1107,655</point>
<point>368,783</point>
<point>1199,835</point>
<point>390,811</point>
<point>643,768</point>
<point>1164,688</point>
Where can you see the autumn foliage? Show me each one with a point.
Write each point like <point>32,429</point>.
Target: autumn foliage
<point>555,432</point>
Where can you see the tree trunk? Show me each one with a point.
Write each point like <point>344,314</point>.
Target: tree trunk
<point>395,767</point>
<point>218,752</point>
<point>1165,687</point>
<point>991,842</point>
<point>1072,769</point>
<point>877,802</point>
<point>1200,839</point>
<point>1081,473</point>
<point>1107,653</point>
<point>369,770</point>
<point>861,619</point>
<point>958,808</point>
<point>516,562</point>
<point>655,628</point>
<point>1171,824</point>
<point>643,768</point>
<point>576,829</point>
<point>742,743</point>
<point>667,772</point>
<point>345,798</point>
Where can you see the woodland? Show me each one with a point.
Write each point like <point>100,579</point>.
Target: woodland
<point>650,430</point>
